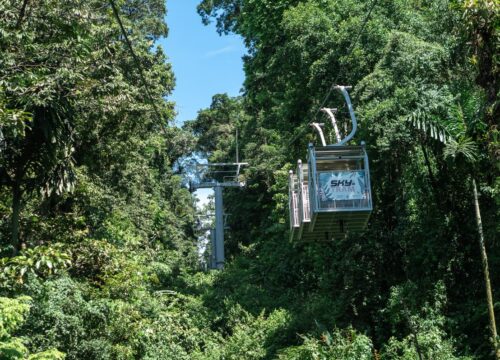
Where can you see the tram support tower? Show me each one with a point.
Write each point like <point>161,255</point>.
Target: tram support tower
<point>219,228</point>
<point>218,176</point>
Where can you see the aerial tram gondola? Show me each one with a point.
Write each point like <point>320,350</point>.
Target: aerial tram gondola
<point>330,195</point>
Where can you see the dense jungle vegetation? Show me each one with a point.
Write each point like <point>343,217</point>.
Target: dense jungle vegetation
<point>98,234</point>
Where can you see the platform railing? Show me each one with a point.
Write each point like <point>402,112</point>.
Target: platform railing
<point>313,199</point>
<point>294,211</point>
<point>306,207</point>
<point>230,179</point>
<point>293,201</point>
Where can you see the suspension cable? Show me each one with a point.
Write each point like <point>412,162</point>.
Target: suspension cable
<point>137,64</point>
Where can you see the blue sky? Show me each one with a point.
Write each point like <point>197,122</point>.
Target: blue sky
<point>204,63</point>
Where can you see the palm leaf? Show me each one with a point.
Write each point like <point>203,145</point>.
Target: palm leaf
<point>465,147</point>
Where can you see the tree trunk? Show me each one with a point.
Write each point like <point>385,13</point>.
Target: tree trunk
<point>16,211</point>
<point>432,178</point>
<point>486,271</point>
<point>21,14</point>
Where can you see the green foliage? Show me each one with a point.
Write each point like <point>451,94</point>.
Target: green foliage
<point>339,344</point>
<point>71,66</point>
<point>40,261</point>
<point>12,314</point>
<point>250,335</point>
<point>48,355</point>
<point>215,127</point>
<point>427,338</point>
<point>11,120</point>
<point>431,345</point>
<point>87,322</point>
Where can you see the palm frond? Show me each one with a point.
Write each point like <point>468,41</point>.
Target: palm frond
<point>421,120</point>
<point>465,147</point>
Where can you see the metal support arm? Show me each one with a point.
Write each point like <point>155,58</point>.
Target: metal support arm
<point>318,128</point>
<point>331,113</point>
<point>343,90</point>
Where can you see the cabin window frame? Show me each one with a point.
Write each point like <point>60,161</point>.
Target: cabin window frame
<point>344,153</point>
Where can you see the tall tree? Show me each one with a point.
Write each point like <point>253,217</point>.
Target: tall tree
<point>66,68</point>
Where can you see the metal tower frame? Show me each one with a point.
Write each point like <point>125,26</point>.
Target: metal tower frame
<point>217,234</point>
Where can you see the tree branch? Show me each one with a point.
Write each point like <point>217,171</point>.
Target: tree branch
<point>22,12</point>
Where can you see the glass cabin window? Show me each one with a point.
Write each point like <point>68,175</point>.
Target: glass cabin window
<point>340,181</point>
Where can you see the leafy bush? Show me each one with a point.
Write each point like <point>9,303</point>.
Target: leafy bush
<point>345,344</point>
<point>426,337</point>
<point>39,261</point>
<point>12,315</point>
<point>100,323</point>
<point>251,336</point>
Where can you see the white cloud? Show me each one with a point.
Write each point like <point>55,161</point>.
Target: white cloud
<point>224,50</point>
